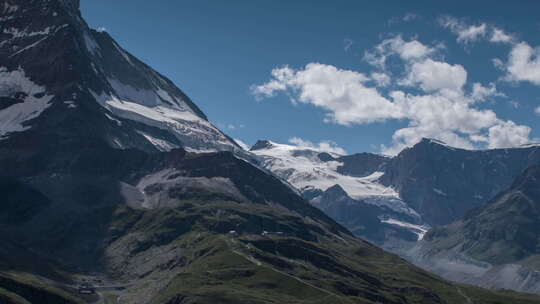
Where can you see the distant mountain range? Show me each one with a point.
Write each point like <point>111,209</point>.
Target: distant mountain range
<point>495,245</point>
<point>494,237</point>
<point>426,185</point>
<point>116,187</point>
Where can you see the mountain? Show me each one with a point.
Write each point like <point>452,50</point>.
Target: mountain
<point>501,240</point>
<point>442,183</point>
<point>426,185</point>
<point>103,190</point>
<point>52,61</point>
<point>345,187</point>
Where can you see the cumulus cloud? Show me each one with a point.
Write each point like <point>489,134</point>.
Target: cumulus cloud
<point>481,93</point>
<point>471,33</point>
<point>342,93</point>
<point>433,75</point>
<point>500,36</point>
<point>323,146</point>
<point>537,110</point>
<point>523,63</point>
<point>465,33</point>
<point>381,79</point>
<point>406,50</point>
<point>498,63</point>
<point>442,111</point>
<point>508,134</point>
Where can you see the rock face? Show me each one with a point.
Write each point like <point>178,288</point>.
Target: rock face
<point>61,79</point>
<point>501,239</point>
<point>426,185</point>
<point>375,223</point>
<point>442,183</point>
<point>345,187</point>
<point>100,181</point>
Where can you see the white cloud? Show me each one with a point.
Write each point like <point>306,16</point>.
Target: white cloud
<point>470,33</point>
<point>342,93</point>
<point>500,36</point>
<point>323,146</point>
<point>406,50</point>
<point>465,33</point>
<point>242,144</point>
<point>410,17</point>
<point>451,120</point>
<point>347,44</point>
<point>281,76</point>
<point>102,29</point>
<point>433,75</point>
<point>523,64</point>
<point>508,134</point>
<point>381,79</point>
<point>498,63</point>
<point>234,127</point>
<point>481,93</point>
<point>537,110</point>
<point>444,111</point>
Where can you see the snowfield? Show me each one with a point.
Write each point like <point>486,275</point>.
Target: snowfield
<point>160,109</point>
<point>304,170</point>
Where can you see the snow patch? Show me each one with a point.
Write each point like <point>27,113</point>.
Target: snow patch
<point>126,56</point>
<point>118,122</point>
<point>165,96</point>
<point>71,104</point>
<point>17,33</point>
<point>15,117</point>
<point>419,230</point>
<point>160,144</point>
<point>9,8</point>
<point>439,191</point>
<point>193,131</point>
<point>91,45</point>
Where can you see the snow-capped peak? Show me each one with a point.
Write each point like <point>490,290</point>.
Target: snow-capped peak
<point>140,107</point>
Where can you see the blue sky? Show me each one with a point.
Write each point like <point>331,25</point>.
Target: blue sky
<point>332,84</point>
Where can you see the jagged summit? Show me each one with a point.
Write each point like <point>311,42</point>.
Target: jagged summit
<point>261,144</point>
<point>84,75</point>
<point>432,142</point>
<point>96,189</point>
<point>72,4</point>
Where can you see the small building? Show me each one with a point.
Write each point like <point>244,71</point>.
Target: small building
<point>87,290</point>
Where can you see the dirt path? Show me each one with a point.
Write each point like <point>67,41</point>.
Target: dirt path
<point>466,297</point>
<point>258,263</point>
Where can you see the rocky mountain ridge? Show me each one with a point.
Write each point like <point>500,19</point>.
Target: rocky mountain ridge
<point>103,185</point>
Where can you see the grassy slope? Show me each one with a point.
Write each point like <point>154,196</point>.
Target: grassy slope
<point>222,268</point>
<point>23,288</point>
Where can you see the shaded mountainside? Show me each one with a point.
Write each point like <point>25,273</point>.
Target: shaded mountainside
<point>426,185</point>
<point>345,187</point>
<point>505,230</point>
<point>62,81</point>
<point>375,223</point>
<point>442,183</point>
<point>496,245</point>
<point>159,224</point>
<point>100,184</point>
